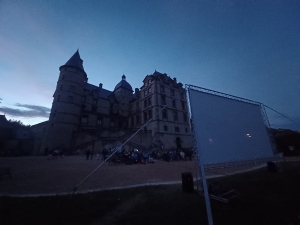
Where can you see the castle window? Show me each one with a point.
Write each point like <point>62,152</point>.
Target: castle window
<point>145,103</point>
<point>149,90</point>
<point>145,93</point>
<point>181,95</point>
<point>149,101</point>
<point>63,77</point>
<point>145,117</point>
<point>54,114</point>
<point>95,101</point>
<point>150,114</point>
<point>112,122</point>
<point>70,98</point>
<point>163,100</point>
<point>177,129</point>
<point>165,128</point>
<point>94,108</point>
<point>137,105</point>
<point>58,97</point>
<point>83,98</point>
<point>156,114</point>
<point>172,93</point>
<point>174,103</point>
<point>84,119</point>
<point>162,89</point>
<point>182,105</point>
<point>72,88</point>
<point>164,114</point>
<point>137,119</point>
<point>132,121</point>
<point>184,117</point>
<point>61,87</point>
<point>99,121</point>
<point>186,130</point>
<point>175,116</point>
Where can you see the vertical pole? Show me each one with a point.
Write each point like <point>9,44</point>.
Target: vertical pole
<point>206,195</point>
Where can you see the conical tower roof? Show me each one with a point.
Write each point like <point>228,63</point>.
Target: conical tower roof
<point>75,61</point>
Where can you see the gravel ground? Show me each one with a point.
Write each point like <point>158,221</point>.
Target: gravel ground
<point>35,176</point>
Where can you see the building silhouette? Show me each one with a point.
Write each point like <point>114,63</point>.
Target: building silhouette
<point>85,116</point>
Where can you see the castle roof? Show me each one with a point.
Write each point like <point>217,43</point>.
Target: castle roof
<point>75,61</point>
<point>124,84</point>
<point>103,93</point>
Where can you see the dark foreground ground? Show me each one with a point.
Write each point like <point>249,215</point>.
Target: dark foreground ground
<point>265,198</point>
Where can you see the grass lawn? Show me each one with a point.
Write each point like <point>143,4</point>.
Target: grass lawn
<point>265,198</point>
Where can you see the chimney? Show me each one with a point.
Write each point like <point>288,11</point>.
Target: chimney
<point>100,85</point>
<point>175,79</point>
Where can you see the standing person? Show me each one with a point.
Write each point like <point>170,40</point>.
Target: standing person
<point>168,156</point>
<point>104,153</point>
<point>87,153</point>
<point>92,153</point>
<point>98,155</point>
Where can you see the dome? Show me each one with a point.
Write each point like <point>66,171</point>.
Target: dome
<point>124,84</point>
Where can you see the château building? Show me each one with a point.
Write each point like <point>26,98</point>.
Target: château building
<point>84,115</point>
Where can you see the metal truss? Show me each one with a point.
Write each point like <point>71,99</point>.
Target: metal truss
<point>268,127</point>
<point>208,91</point>
<point>194,149</point>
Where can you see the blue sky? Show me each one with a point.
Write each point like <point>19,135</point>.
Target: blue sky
<point>249,49</point>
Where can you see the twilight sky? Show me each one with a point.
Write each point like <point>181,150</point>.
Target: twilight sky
<point>249,49</point>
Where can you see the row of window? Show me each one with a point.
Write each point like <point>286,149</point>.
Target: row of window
<point>70,98</point>
<point>71,87</point>
<point>64,76</point>
<point>148,115</point>
<point>172,92</point>
<point>84,119</point>
<point>148,102</point>
<point>176,129</point>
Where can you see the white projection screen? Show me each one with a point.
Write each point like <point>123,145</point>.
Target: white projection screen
<point>228,130</point>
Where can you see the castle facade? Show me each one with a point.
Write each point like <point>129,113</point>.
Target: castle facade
<point>84,115</point>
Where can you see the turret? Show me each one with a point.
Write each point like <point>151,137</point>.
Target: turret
<point>66,107</point>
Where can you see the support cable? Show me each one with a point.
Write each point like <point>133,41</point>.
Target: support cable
<point>283,115</point>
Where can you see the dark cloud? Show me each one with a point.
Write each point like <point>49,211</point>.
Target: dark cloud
<point>29,111</point>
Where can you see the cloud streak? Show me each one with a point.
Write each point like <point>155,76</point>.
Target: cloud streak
<point>30,111</point>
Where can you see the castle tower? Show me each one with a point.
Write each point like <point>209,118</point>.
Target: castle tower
<point>66,107</point>
<point>123,93</point>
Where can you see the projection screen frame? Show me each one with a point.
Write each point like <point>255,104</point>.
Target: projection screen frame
<point>276,156</point>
